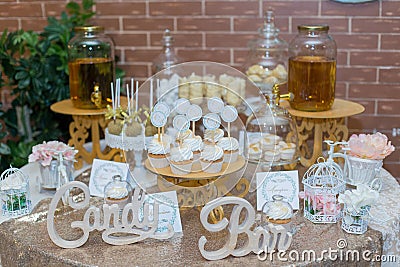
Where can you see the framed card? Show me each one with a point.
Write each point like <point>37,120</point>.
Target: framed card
<point>103,172</point>
<point>284,183</point>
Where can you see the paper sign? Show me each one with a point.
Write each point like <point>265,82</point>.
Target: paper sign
<point>168,210</point>
<point>284,183</point>
<point>102,173</point>
<point>215,104</point>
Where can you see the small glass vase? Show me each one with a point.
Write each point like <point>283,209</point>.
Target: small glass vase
<point>50,176</point>
<point>364,171</point>
<point>355,222</point>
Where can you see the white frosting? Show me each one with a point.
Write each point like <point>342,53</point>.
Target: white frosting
<point>183,135</point>
<point>195,143</point>
<point>213,135</point>
<point>279,211</point>
<point>287,153</point>
<point>272,155</point>
<point>117,192</point>
<point>164,138</point>
<point>283,145</point>
<point>212,153</point>
<point>228,143</point>
<point>158,148</point>
<point>181,153</point>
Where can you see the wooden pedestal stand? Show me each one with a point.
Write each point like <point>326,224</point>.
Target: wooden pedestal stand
<point>198,188</point>
<point>86,123</point>
<point>319,126</point>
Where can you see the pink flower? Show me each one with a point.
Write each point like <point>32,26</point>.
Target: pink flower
<point>46,152</point>
<point>370,146</point>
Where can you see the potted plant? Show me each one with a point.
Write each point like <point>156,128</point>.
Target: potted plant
<point>35,67</point>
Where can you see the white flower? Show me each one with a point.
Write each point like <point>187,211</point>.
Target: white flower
<point>360,197</point>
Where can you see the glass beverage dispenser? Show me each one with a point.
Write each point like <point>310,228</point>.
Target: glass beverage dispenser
<point>91,67</point>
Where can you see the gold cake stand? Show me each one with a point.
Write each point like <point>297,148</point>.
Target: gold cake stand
<point>197,188</point>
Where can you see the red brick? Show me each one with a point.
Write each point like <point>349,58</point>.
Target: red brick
<point>330,8</point>
<point>253,24</point>
<point>340,90</point>
<point>389,107</point>
<point>226,8</point>
<point>341,59</point>
<point>109,24</point>
<point>293,8</point>
<point>175,8</point>
<point>141,55</point>
<point>240,56</point>
<point>216,55</point>
<point>181,39</point>
<point>379,123</point>
<point>120,9</point>
<point>129,39</point>
<point>369,106</point>
<point>22,10</point>
<point>36,24</point>
<point>335,25</point>
<point>204,24</point>
<point>356,74</point>
<point>375,58</point>
<point>139,71</point>
<point>228,40</point>
<point>390,75</point>
<point>374,91</point>
<point>389,41</point>
<point>11,25</point>
<point>54,9</point>
<point>356,41</point>
<point>391,9</point>
<point>375,25</point>
<point>148,24</point>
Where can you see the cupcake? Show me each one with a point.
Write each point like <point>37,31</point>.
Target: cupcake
<point>230,145</point>
<point>254,151</point>
<point>287,153</point>
<point>211,159</point>
<point>181,160</point>
<point>157,153</point>
<point>212,136</point>
<point>272,155</point>
<point>117,195</point>
<point>278,212</point>
<point>196,145</point>
<point>163,138</point>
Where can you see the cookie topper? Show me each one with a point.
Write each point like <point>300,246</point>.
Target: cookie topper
<point>182,105</point>
<point>229,114</point>
<point>194,114</point>
<point>215,104</point>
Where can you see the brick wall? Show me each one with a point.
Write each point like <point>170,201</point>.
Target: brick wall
<point>367,35</point>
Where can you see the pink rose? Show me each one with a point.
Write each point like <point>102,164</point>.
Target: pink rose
<point>370,146</point>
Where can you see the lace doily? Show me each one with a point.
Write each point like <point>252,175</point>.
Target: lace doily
<point>124,142</point>
<point>385,216</point>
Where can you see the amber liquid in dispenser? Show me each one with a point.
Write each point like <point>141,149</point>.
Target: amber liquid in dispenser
<point>312,81</point>
<point>89,82</point>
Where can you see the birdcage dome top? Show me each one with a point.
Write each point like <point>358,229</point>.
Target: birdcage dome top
<point>13,178</point>
<point>325,174</point>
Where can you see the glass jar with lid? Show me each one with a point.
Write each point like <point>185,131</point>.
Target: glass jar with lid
<point>117,192</point>
<point>278,211</point>
<point>167,57</point>
<point>272,139</point>
<point>312,68</point>
<point>91,67</point>
<point>267,58</point>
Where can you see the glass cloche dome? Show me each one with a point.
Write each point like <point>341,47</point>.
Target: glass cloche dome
<point>272,134</point>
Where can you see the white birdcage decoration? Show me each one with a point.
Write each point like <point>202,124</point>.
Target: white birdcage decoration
<point>355,222</point>
<point>14,193</point>
<point>323,182</point>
